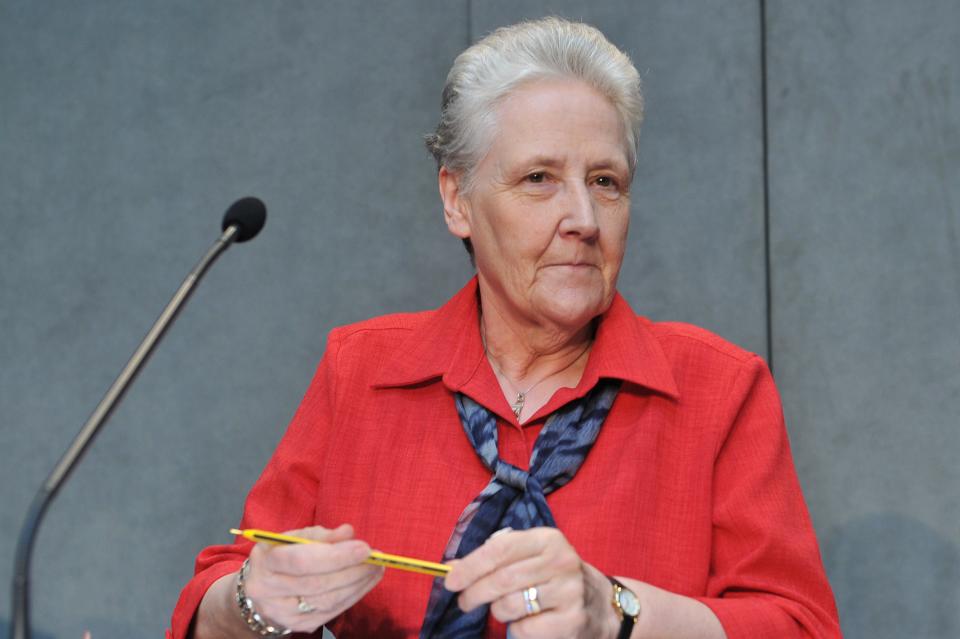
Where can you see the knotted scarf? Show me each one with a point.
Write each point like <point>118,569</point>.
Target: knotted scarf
<point>514,498</point>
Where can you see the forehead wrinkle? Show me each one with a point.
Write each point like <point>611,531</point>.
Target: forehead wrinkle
<point>536,138</point>
<point>619,165</point>
<point>545,160</point>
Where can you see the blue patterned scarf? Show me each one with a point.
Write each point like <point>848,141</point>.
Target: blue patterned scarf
<point>514,498</point>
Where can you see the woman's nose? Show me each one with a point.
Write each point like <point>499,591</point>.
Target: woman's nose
<point>579,212</point>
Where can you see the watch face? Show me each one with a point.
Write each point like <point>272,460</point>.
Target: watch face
<point>629,603</point>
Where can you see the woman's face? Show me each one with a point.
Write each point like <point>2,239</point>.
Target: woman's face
<point>549,208</point>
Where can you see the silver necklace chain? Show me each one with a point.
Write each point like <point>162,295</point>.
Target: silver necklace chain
<point>517,405</point>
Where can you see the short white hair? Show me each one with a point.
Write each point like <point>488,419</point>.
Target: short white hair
<point>484,74</point>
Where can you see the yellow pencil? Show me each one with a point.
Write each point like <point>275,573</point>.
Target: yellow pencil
<point>376,557</point>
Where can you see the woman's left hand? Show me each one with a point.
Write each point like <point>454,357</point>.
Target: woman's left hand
<point>570,598</point>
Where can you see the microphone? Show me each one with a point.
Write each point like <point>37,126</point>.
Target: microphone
<point>242,221</point>
<point>248,214</point>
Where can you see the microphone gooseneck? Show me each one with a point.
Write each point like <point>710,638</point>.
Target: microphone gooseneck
<point>242,221</point>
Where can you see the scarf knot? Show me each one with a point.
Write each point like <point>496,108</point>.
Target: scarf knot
<point>509,475</point>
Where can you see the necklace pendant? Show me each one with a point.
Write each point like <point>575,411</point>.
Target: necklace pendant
<point>518,404</point>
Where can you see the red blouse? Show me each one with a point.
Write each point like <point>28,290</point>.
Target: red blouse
<point>690,485</point>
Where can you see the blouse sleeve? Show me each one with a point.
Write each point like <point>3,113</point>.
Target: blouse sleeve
<point>766,574</point>
<point>283,498</point>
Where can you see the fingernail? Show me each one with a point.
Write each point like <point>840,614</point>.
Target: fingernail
<point>500,532</point>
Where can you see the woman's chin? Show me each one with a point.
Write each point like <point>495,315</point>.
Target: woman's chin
<point>571,309</point>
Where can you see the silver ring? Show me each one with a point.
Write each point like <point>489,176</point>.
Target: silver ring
<point>304,607</point>
<point>531,600</point>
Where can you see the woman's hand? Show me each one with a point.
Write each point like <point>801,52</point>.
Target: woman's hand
<point>301,587</point>
<point>574,598</point>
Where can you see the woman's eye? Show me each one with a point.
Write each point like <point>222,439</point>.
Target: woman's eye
<point>605,181</point>
<point>536,177</point>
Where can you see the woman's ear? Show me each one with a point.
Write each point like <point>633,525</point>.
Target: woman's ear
<point>456,208</point>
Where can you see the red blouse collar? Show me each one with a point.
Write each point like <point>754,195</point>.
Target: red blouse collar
<point>447,345</point>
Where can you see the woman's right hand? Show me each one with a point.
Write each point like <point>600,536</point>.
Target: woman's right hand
<point>329,577</point>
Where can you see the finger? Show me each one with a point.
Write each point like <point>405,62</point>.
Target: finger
<point>498,551</point>
<point>319,533</point>
<point>541,569</point>
<point>514,606</point>
<point>551,596</point>
<point>335,600</point>
<point>314,559</point>
<point>552,557</point>
<point>286,611</point>
<point>555,623</point>
<point>279,585</point>
<point>510,579</point>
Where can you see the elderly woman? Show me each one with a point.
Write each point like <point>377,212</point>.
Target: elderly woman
<point>585,472</point>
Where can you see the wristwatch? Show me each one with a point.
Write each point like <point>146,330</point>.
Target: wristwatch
<point>627,606</point>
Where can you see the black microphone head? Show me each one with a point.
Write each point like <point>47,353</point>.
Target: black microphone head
<point>248,214</point>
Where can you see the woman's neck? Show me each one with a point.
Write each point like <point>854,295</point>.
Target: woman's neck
<point>525,356</point>
<point>533,361</point>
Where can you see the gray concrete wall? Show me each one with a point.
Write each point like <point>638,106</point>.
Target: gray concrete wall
<point>128,127</point>
<point>865,213</point>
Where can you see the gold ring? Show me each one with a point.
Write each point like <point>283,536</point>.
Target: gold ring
<point>531,600</point>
